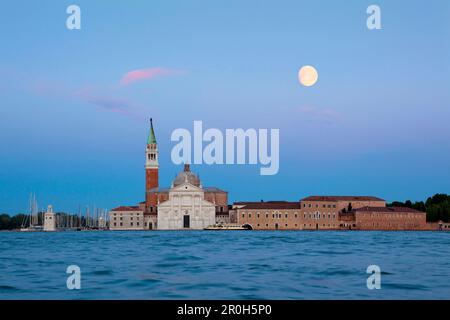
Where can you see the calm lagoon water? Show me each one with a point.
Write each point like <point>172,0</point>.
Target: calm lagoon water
<point>225,265</point>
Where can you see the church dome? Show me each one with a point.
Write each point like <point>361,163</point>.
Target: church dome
<point>186,176</point>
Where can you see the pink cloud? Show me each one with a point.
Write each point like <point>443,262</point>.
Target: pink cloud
<point>145,74</point>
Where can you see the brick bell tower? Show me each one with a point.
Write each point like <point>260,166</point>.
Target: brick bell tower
<point>151,169</point>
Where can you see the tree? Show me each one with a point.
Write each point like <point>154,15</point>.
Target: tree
<point>349,208</point>
<point>5,221</point>
<point>437,207</point>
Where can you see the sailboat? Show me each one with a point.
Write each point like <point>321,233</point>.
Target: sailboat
<point>32,218</point>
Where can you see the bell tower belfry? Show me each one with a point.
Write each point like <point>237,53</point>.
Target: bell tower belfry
<point>151,165</point>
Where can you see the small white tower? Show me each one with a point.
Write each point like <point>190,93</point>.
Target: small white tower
<point>49,220</point>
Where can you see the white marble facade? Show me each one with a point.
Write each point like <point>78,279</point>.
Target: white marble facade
<point>186,209</point>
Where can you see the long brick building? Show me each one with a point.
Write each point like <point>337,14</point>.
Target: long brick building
<point>329,213</point>
<point>384,218</point>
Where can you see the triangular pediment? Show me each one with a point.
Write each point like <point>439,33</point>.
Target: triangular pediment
<point>186,187</point>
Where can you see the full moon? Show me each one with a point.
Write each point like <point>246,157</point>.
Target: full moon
<point>308,76</point>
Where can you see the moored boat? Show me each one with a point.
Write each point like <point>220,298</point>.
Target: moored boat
<point>226,227</point>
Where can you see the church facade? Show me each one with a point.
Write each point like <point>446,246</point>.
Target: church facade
<point>186,204</point>
<point>186,207</point>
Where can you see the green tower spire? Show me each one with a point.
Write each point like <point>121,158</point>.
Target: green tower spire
<point>151,136</point>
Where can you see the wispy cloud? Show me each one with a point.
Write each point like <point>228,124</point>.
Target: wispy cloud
<point>108,103</point>
<point>146,74</point>
<point>326,114</point>
<point>111,104</point>
<point>108,98</point>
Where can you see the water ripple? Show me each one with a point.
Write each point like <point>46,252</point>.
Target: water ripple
<point>225,265</point>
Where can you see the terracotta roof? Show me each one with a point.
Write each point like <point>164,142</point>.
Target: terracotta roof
<point>386,209</point>
<point>272,205</point>
<point>127,208</point>
<point>341,198</point>
<point>252,202</point>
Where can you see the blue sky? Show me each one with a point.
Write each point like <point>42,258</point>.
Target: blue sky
<point>73,132</point>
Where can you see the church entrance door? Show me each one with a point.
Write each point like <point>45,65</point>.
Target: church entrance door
<point>186,221</point>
